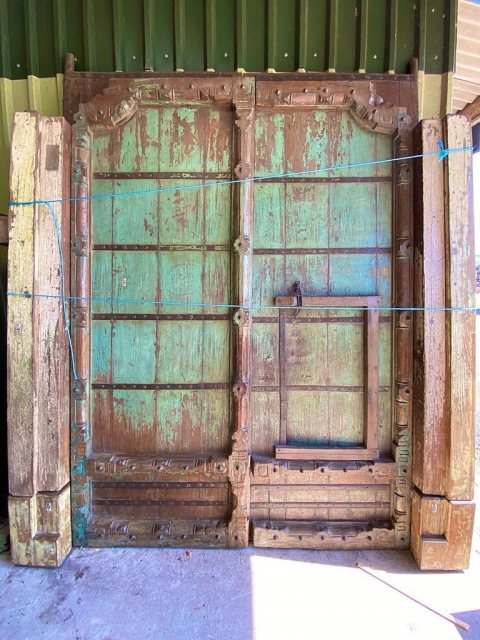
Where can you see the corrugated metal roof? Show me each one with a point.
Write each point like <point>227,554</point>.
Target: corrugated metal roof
<point>375,36</point>
<point>466,78</point>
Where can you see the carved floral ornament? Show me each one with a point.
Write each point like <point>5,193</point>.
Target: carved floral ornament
<point>118,104</point>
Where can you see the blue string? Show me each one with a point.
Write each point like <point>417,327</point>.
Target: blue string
<point>221,305</point>
<point>441,154</point>
<point>63,297</point>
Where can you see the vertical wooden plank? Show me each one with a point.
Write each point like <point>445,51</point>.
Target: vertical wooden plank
<point>282,374</point>
<point>239,461</point>
<point>429,432</point>
<point>371,379</point>
<point>460,288</point>
<point>51,351</point>
<point>20,389</point>
<point>403,367</point>
<point>81,288</point>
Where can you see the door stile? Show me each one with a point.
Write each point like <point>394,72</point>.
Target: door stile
<point>403,335</point>
<point>81,260</point>
<point>239,460</point>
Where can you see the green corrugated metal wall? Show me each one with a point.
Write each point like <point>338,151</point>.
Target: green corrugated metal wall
<point>198,35</point>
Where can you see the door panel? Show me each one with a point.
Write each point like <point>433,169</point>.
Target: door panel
<point>159,333</point>
<point>331,234</point>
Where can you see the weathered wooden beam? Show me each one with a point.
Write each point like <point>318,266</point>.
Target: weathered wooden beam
<point>443,454</point>
<point>327,453</point>
<point>472,111</point>
<point>20,383</point>
<point>460,329</point>
<point>38,358</point>
<point>429,420</point>
<point>239,461</point>
<point>40,532</point>
<point>441,532</point>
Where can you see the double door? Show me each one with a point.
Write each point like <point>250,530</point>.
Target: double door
<point>234,337</point>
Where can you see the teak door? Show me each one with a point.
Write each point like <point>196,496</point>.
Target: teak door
<point>221,317</point>
<point>157,348</point>
<point>242,323</point>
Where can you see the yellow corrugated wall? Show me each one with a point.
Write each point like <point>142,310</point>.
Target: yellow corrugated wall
<point>44,95</point>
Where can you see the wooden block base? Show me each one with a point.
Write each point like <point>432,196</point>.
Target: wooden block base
<point>40,529</point>
<point>442,532</point>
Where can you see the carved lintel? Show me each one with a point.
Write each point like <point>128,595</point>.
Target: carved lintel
<point>367,107</point>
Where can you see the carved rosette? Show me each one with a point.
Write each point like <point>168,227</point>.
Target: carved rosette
<point>403,189</point>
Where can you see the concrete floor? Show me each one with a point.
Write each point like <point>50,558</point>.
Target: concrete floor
<point>256,594</point>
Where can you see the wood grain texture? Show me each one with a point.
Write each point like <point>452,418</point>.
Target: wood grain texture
<point>429,419</point>
<point>441,532</point>
<point>22,435</point>
<point>327,453</point>
<point>40,528</point>
<point>460,292</point>
<point>51,364</point>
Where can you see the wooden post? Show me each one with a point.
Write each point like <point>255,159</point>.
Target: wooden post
<point>37,356</point>
<point>443,437</point>
<point>239,460</point>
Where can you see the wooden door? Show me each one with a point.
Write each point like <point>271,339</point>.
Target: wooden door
<point>220,316</point>
<point>154,337</point>
<point>323,330</point>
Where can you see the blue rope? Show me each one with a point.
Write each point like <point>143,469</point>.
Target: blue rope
<point>221,305</point>
<point>63,297</point>
<point>441,154</point>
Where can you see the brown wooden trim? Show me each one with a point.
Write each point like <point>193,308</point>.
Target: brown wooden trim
<point>282,376</point>
<point>371,379</point>
<point>289,534</point>
<point>160,485</point>
<point>81,288</point>
<point>162,532</point>
<point>325,453</point>
<point>322,180</point>
<point>403,339</point>
<point>319,320</point>
<point>160,175</point>
<point>326,251</point>
<point>239,460</point>
<point>328,301</point>
<point>471,111</point>
<point>314,387</point>
<point>153,467</point>
<point>160,387</point>
<point>160,247</point>
<point>176,317</point>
